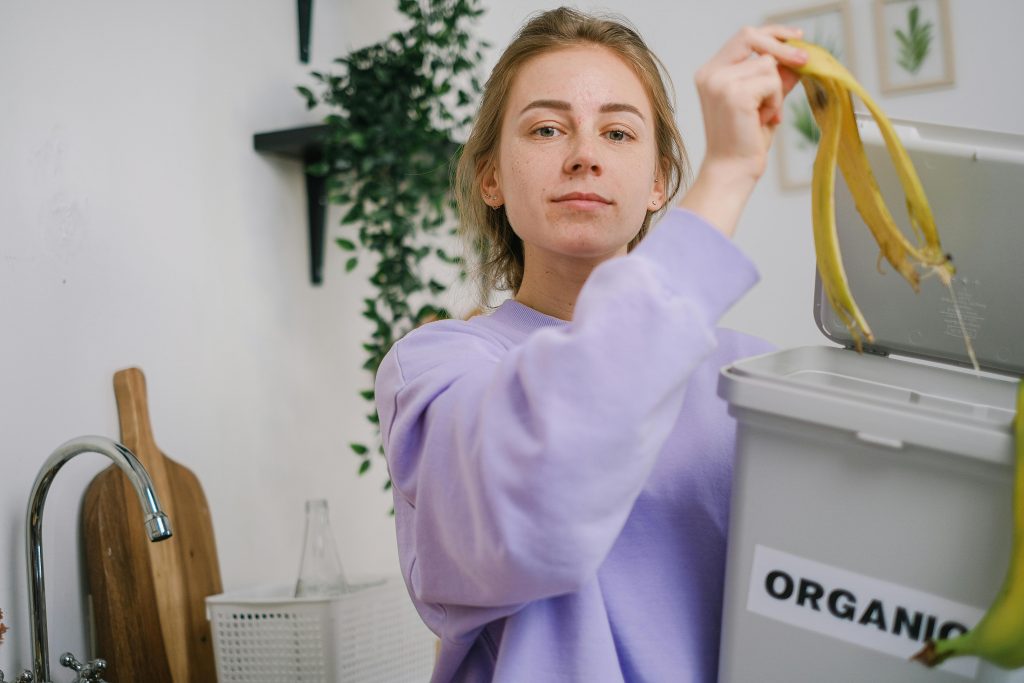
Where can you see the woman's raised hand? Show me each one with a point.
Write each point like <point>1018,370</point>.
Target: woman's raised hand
<point>741,92</point>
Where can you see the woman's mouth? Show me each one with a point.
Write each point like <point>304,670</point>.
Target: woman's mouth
<point>587,201</point>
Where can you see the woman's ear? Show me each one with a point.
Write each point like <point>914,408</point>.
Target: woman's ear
<point>490,185</point>
<point>659,191</point>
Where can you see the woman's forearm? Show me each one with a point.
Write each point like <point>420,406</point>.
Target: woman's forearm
<point>718,195</point>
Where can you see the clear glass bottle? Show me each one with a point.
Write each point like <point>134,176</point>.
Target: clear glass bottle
<point>320,574</point>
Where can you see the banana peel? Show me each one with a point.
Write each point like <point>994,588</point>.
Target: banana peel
<point>999,636</point>
<point>829,87</point>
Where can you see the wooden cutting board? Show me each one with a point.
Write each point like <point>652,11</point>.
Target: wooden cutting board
<point>149,614</point>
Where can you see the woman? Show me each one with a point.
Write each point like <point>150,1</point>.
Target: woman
<point>562,466</point>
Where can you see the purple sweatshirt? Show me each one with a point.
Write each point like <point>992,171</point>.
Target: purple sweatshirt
<point>562,488</point>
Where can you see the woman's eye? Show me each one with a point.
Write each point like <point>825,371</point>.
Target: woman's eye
<point>618,135</point>
<point>546,132</point>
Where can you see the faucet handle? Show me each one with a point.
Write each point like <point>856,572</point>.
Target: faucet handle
<point>23,677</point>
<point>89,671</point>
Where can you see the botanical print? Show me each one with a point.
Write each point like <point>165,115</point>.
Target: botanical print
<point>806,127</point>
<point>915,46</point>
<point>915,42</point>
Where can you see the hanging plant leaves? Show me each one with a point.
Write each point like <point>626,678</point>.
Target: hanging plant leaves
<point>396,109</point>
<point>308,94</point>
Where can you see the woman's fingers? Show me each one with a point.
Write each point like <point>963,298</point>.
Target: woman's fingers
<point>789,79</point>
<point>742,91</point>
<point>753,84</point>
<point>769,41</point>
<point>736,58</point>
<point>783,32</point>
<point>765,40</point>
<point>765,89</point>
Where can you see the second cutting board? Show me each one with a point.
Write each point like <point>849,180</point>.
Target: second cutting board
<point>149,615</point>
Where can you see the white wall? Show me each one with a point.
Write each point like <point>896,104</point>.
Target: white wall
<point>138,227</point>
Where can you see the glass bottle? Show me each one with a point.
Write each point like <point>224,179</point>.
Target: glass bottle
<point>320,574</point>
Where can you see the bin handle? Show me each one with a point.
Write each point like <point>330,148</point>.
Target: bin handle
<point>884,441</point>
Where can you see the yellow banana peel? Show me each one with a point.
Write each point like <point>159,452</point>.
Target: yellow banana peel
<point>999,636</point>
<point>829,86</point>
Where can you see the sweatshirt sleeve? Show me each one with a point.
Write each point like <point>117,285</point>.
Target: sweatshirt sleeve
<point>515,470</point>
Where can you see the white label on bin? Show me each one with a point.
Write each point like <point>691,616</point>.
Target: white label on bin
<point>858,609</point>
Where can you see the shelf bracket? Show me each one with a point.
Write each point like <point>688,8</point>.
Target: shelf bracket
<point>305,145</point>
<point>305,25</point>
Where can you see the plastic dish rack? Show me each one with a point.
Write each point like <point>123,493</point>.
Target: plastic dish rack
<point>370,635</point>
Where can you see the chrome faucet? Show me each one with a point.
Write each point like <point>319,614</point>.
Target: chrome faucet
<point>158,527</point>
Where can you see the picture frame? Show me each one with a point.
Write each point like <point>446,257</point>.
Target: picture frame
<point>796,145</point>
<point>915,45</point>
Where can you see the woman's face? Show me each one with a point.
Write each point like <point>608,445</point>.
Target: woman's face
<point>577,160</point>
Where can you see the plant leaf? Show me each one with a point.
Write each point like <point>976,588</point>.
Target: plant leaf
<point>308,94</point>
<point>395,111</point>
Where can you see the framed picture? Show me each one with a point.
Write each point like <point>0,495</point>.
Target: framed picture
<point>915,46</point>
<point>796,141</point>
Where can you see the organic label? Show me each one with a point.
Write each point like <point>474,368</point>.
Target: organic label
<point>875,614</point>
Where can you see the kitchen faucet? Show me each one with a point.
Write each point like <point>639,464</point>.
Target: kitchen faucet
<point>158,527</point>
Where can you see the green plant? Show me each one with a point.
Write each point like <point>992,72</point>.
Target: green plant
<point>915,42</point>
<point>804,123</point>
<point>397,108</point>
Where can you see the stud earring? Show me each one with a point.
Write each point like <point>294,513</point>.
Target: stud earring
<point>492,197</point>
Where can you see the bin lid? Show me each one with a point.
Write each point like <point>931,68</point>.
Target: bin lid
<point>974,181</point>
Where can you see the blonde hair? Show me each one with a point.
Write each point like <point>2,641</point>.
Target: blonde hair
<point>486,230</point>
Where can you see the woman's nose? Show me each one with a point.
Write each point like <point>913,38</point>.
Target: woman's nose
<point>582,158</point>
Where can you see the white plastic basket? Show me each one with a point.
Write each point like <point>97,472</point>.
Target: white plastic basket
<point>371,635</point>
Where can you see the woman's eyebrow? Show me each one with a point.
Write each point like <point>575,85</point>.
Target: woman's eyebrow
<point>621,106</point>
<point>562,105</point>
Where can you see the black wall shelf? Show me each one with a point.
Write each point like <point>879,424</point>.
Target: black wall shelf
<point>304,144</point>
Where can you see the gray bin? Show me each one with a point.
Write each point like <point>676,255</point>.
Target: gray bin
<point>872,496</point>
<point>887,479</point>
